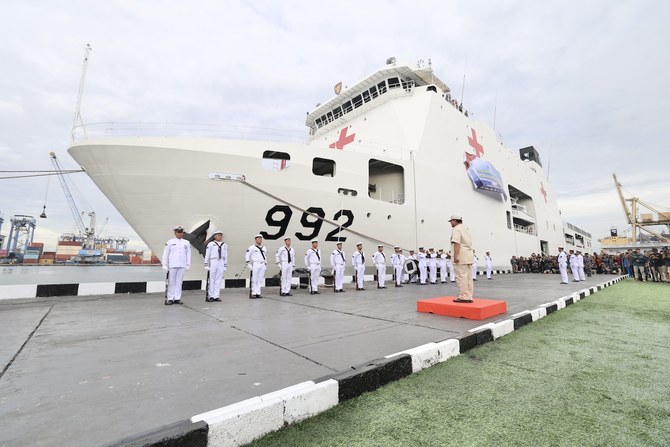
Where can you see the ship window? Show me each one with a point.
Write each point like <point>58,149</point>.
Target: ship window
<point>366,96</point>
<point>394,83</point>
<point>431,88</point>
<point>323,167</point>
<point>274,155</point>
<point>337,112</point>
<point>374,92</point>
<point>386,181</point>
<point>357,101</point>
<point>347,107</point>
<point>276,161</point>
<point>318,122</point>
<point>382,87</point>
<point>330,116</point>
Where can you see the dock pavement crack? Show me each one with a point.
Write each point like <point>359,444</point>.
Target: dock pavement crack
<point>4,370</point>
<point>264,339</point>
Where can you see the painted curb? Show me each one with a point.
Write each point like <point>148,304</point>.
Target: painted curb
<point>8,292</point>
<point>183,434</point>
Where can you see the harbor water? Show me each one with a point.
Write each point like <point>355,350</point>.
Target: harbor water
<point>75,274</point>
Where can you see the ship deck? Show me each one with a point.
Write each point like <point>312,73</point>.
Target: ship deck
<point>84,371</point>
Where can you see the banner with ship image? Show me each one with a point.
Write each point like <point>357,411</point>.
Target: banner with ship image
<point>484,175</point>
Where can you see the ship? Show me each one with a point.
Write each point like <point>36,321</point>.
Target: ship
<point>385,161</point>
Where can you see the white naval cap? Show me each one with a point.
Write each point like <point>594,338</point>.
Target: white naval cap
<point>217,232</point>
<point>456,217</point>
<point>339,243</point>
<point>258,235</point>
<point>359,243</point>
<point>178,227</point>
<point>396,246</point>
<point>314,240</point>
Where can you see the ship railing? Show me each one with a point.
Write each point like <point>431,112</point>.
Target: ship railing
<point>188,130</point>
<point>525,230</point>
<point>389,196</point>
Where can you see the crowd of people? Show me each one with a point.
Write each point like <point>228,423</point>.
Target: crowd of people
<point>643,265</point>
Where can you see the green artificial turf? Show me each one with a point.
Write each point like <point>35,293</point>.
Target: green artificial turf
<point>596,373</point>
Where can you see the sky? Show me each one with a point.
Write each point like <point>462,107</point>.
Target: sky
<point>585,82</point>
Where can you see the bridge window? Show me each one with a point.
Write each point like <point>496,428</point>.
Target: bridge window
<point>366,96</point>
<point>323,167</point>
<point>358,101</point>
<point>394,83</point>
<point>381,87</point>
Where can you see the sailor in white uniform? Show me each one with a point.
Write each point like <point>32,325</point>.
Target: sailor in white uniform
<point>423,266</point>
<point>580,266</point>
<point>563,265</point>
<point>432,265</point>
<point>442,264</point>
<point>216,263</point>
<point>413,276</point>
<point>176,261</point>
<point>379,259</point>
<point>474,266</point>
<point>450,266</point>
<point>285,259</point>
<point>338,263</point>
<point>358,261</point>
<point>489,265</point>
<point>256,258</point>
<point>574,267</point>
<point>313,263</point>
<point>398,262</point>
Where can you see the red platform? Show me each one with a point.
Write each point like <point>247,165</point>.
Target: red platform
<point>479,309</point>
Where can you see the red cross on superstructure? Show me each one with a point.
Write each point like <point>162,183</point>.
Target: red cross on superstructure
<point>479,149</point>
<point>544,193</point>
<point>344,139</point>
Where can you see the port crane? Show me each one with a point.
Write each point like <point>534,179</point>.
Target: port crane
<point>86,233</point>
<point>646,219</point>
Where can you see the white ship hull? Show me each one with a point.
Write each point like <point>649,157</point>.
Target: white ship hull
<point>394,175</point>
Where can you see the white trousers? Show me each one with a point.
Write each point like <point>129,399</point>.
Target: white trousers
<point>474,271</point>
<point>360,272</point>
<point>286,271</point>
<point>443,271</point>
<point>339,277</point>
<point>575,272</point>
<point>257,277</point>
<point>452,273</point>
<point>381,274</point>
<point>563,268</point>
<point>216,270</point>
<point>488,270</point>
<point>314,273</point>
<point>433,273</point>
<point>582,275</point>
<point>423,273</point>
<point>175,280</point>
<point>399,274</point>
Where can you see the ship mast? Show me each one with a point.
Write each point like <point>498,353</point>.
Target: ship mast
<point>77,121</point>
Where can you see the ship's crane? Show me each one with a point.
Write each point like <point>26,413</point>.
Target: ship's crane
<point>87,234</point>
<point>646,220</point>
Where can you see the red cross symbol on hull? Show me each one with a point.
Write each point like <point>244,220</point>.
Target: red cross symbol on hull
<point>479,149</point>
<point>344,139</point>
<point>544,193</point>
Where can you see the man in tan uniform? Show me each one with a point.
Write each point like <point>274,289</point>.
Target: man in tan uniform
<point>461,247</point>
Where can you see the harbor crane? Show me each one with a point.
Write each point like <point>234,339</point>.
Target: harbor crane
<point>87,234</point>
<point>646,219</point>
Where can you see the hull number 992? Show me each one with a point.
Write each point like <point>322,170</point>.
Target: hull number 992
<point>279,217</point>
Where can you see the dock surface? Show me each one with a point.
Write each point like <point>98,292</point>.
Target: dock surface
<point>85,371</point>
